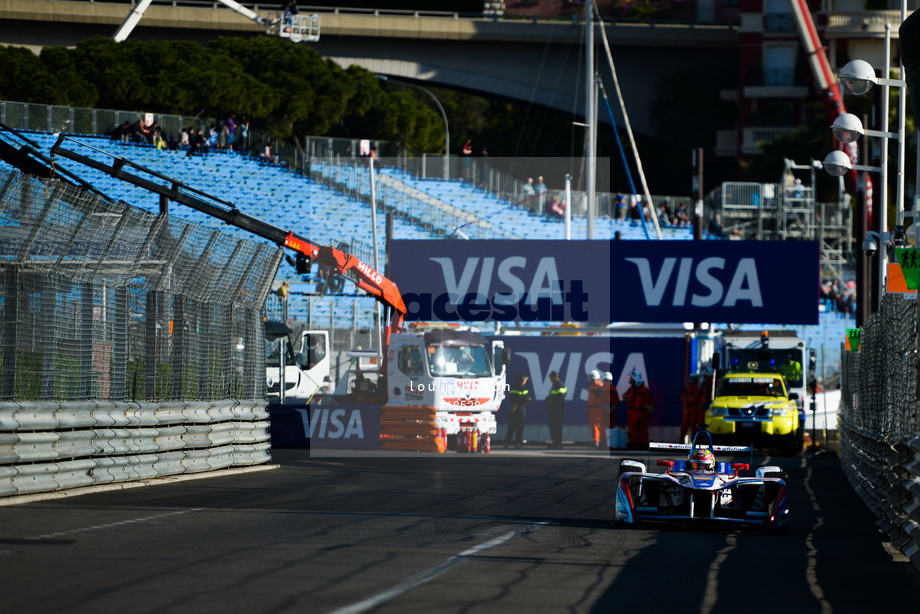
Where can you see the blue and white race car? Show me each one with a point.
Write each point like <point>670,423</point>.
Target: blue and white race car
<point>700,489</point>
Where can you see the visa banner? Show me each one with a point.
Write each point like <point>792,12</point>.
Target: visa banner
<point>341,427</point>
<point>764,282</point>
<point>661,361</point>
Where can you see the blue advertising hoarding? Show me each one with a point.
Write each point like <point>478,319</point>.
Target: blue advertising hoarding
<point>768,282</point>
<point>334,427</point>
<point>662,362</point>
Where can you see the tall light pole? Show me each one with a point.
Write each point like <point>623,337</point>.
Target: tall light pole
<point>858,77</point>
<point>443,116</point>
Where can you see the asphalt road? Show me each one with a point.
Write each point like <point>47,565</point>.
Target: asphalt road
<point>526,531</point>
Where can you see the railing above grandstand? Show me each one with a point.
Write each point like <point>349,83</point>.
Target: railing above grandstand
<point>484,15</point>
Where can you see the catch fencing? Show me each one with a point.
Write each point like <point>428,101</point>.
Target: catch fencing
<point>131,343</point>
<point>879,420</point>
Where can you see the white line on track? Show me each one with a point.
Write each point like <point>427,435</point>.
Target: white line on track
<point>431,573</point>
<point>100,527</point>
<point>811,574</point>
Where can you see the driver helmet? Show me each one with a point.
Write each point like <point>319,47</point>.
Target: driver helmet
<point>635,378</point>
<point>594,375</point>
<point>608,376</point>
<point>702,459</point>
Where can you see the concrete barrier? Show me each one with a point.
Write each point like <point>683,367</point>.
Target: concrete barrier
<point>50,446</point>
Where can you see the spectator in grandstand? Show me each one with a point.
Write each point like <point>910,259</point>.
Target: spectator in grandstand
<point>557,208</point>
<point>540,190</point>
<point>211,138</point>
<point>619,206</point>
<point>736,235</point>
<point>617,236</point>
<point>465,153</point>
<point>120,133</point>
<point>183,139</point>
<point>715,226</point>
<point>152,131</point>
<point>243,140</point>
<point>528,190</point>
<point>222,135</point>
<point>681,217</point>
<point>663,218</point>
<point>268,154</point>
<point>646,211</point>
<point>231,130</point>
<point>159,140</point>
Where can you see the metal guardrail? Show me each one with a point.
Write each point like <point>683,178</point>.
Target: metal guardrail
<point>46,446</point>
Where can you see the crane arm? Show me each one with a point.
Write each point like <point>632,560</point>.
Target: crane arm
<point>124,31</point>
<point>825,82</point>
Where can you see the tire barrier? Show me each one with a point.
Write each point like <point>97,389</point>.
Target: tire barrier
<point>49,446</point>
<point>410,429</point>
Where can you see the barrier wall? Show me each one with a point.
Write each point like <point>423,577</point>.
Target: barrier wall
<point>131,344</point>
<point>47,447</point>
<point>879,416</point>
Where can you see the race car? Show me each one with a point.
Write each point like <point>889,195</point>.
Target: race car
<point>700,489</point>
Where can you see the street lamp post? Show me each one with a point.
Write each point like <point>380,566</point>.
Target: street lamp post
<point>443,116</point>
<point>858,77</point>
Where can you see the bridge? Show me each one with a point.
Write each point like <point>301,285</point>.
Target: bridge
<point>538,62</point>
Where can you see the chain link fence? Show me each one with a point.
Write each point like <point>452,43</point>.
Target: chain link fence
<point>102,301</point>
<point>879,417</point>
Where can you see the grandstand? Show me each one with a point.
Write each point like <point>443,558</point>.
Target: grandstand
<point>332,205</point>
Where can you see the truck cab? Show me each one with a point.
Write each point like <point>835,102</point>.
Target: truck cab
<point>456,370</point>
<point>296,376</point>
<point>767,354</point>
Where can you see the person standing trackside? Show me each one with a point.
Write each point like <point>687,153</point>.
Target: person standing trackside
<point>518,397</point>
<point>555,405</point>
<point>597,403</point>
<point>612,400</point>
<point>639,406</point>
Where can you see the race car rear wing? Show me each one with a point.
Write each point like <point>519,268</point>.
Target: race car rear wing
<point>687,447</point>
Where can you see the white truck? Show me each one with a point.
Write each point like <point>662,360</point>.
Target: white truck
<point>454,369</point>
<point>297,376</point>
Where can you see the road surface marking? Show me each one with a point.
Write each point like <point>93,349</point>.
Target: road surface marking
<point>431,573</point>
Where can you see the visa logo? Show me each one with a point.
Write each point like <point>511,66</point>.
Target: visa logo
<point>573,367</point>
<point>533,291</point>
<point>332,424</point>
<point>685,279</point>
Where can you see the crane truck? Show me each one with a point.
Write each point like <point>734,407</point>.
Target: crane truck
<point>453,369</point>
